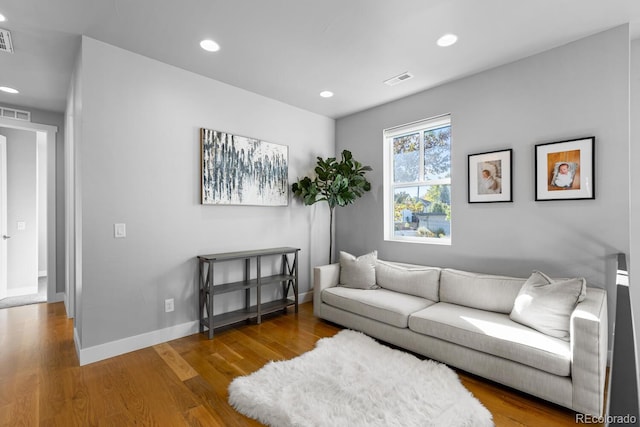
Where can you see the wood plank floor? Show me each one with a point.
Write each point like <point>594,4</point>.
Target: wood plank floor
<point>180,383</point>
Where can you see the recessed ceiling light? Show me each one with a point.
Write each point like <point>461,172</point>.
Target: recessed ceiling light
<point>447,40</point>
<point>8,89</point>
<point>209,45</point>
<point>2,18</point>
<point>326,94</point>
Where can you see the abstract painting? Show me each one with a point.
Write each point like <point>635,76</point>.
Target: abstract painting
<point>237,170</point>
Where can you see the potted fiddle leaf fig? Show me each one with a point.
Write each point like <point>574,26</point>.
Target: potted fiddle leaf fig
<point>339,183</point>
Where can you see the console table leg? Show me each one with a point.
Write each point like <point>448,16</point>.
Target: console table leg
<point>210,300</point>
<point>258,294</point>
<point>200,295</point>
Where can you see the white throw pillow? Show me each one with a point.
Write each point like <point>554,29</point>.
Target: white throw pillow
<point>545,304</point>
<point>360,272</point>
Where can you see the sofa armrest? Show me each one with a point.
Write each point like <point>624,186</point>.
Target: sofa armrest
<point>325,276</point>
<point>589,335</point>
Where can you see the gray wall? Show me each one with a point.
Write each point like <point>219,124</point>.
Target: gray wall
<point>576,90</point>
<point>22,248</point>
<point>634,159</point>
<point>139,154</point>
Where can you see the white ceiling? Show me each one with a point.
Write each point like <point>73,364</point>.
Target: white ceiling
<point>291,50</point>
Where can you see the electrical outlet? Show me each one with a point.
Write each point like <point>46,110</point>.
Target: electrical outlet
<point>168,305</point>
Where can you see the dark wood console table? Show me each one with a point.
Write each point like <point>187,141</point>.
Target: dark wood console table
<point>288,278</point>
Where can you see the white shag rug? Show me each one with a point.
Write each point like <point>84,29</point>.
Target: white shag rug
<point>352,380</point>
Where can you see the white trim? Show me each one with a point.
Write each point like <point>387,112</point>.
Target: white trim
<point>50,132</point>
<point>42,273</point>
<point>6,123</point>
<point>305,297</point>
<point>388,180</point>
<point>424,124</point>
<point>58,298</point>
<point>3,217</point>
<point>76,341</point>
<point>126,345</point>
<point>148,339</point>
<point>23,290</point>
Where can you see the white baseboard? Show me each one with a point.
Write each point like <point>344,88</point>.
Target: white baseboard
<point>305,297</point>
<point>148,339</point>
<point>24,290</point>
<point>59,297</point>
<point>126,345</point>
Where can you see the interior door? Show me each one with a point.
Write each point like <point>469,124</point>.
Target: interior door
<point>3,217</point>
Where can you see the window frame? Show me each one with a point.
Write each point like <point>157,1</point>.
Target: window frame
<point>389,186</point>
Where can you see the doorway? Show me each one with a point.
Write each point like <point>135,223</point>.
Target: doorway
<point>27,213</point>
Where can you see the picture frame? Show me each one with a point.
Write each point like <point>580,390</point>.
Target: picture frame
<point>565,170</point>
<point>490,176</point>
<point>237,170</point>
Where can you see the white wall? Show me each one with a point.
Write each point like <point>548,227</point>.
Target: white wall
<point>576,90</point>
<point>139,155</point>
<point>22,259</point>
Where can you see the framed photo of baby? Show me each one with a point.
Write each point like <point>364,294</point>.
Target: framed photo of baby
<point>490,177</point>
<point>565,170</point>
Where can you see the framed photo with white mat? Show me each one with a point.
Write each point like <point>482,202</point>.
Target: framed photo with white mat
<point>565,170</point>
<point>490,176</point>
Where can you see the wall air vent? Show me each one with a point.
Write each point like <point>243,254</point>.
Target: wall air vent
<point>12,113</point>
<point>5,41</point>
<point>398,79</point>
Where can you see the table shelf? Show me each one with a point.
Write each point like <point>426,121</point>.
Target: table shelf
<point>242,285</point>
<point>287,278</point>
<point>241,315</point>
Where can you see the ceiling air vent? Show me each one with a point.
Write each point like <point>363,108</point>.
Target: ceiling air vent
<point>12,113</point>
<point>398,79</point>
<point>5,41</point>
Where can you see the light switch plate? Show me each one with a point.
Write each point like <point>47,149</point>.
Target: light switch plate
<point>119,231</point>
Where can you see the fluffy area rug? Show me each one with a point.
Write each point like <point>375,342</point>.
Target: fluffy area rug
<point>352,380</point>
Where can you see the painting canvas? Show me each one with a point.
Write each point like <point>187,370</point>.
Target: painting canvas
<point>237,170</point>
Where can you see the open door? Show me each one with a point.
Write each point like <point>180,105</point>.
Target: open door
<point>3,217</point>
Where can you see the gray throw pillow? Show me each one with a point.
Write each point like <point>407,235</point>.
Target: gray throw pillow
<point>545,304</point>
<point>360,272</point>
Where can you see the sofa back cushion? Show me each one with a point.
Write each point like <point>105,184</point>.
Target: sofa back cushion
<point>481,291</point>
<point>420,281</point>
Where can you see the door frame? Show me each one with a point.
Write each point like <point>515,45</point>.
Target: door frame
<point>49,133</point>
<point>3,217</point>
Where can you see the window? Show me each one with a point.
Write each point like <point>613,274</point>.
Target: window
<point>417,174</point>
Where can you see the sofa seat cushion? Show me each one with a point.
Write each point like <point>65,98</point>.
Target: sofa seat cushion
<point>382,305</point>
<point>494,333</point>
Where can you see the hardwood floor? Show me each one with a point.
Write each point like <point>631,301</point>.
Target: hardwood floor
<point>179,383</point>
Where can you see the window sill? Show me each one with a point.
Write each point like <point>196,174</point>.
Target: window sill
<point>420,240</point>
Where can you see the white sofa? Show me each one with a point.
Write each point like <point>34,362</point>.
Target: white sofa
<point>463,319</point>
